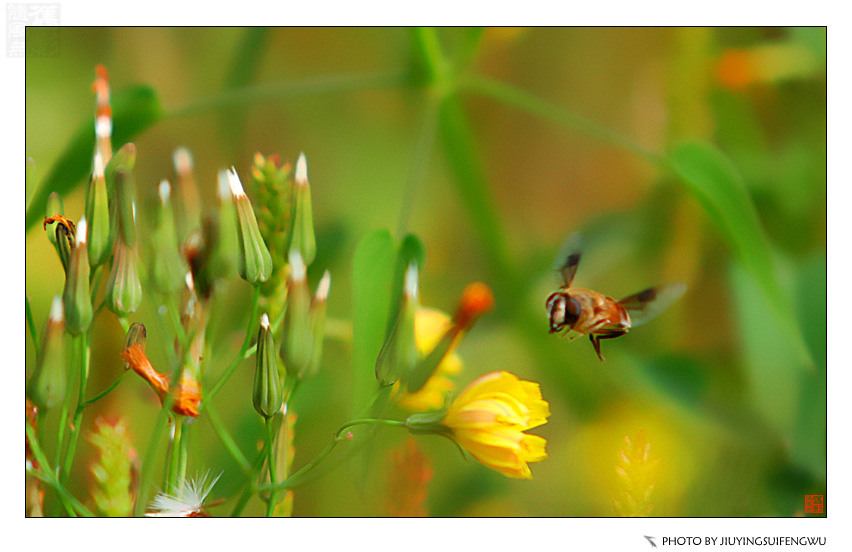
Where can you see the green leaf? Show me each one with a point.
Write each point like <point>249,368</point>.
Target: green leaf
<point>372,277</point>
<point>713,180</point>
<point>134,110</point>
<point>771,368</point>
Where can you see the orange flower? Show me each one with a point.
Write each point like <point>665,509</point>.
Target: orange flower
<point>135,356</point>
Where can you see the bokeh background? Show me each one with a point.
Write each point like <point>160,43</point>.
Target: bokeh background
<point>694,155</point>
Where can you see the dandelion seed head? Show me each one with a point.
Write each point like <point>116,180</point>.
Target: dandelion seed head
<point>187,500</point>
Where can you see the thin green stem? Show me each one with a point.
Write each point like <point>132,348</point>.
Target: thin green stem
<point>227,440</point>
<point>241,355</point>
<point>302,475</point>
<point>422,153</point>
<point>105,392</point>
<point>174,313</point>
<point>173,458</point>
<point>31,327</point>
<point>249,490</point>
<point>427,49</point>
<point>270,447</point>
<point>84,356</point>
<point>525,101</point>
<point>183,452</point>
<point>254,95</point>
<point>44,473</point>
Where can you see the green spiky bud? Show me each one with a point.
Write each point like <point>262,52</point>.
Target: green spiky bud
<point>267,395</point>
<point>255,262</point>
<point>302,235</point>
<point>97,213</point>
<point>399,354</point>
<point>75,297</point>
<point>123,290</point>
<point>297,348</point>
<point>228,250</point>
<point>318,310</point>
<point>168,268</point>
<point>47,385</point>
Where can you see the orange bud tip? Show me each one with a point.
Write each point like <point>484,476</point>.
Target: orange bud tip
<point>301,170</point>
<point>476,300</point>
<point>235,184</point>
<point>101,72</point>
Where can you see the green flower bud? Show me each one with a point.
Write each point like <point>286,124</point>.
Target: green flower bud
<point>125,211</point>
<point>123,160</point>
<point>75,297</point>
<point>123,291</point>
<point>399,354</point>
<point>228,251</point>
<point>168,268</point>
<point>255,262</point>
<point>55,205</point>
<point>297,349</point>
<point>302,235</point>
<point>47,385</point>
<point>97,213</point>
<point>318,308</point>
<point>267,395</point>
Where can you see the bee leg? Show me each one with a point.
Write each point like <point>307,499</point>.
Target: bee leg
<point>597,344</point>
<point>610,334</point>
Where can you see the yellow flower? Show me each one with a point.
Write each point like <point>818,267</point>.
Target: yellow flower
<point>430,325</point>
<point>489,418</point>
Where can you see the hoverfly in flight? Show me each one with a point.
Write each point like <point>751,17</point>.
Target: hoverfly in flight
<point>600,317</point>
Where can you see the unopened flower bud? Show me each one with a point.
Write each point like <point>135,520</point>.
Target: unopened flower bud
<point>228,251</point>
<point>123,160</point>
<point>318,310</point>
<point>399,356</point>
<point>255,261</point>
<point>97,215</point>
<point>75,297</point>
<point>476,300</point>
<point>123,290</point>
<point>302,236</point>
<point>297,349</point>
<point>47,385</point>
<point>187,203</point>
<point>136,335</point>
<point>167,267</point>
<point>267,395</point>
<point>125,207</point>
<point>64,237</point>
<point>54,205</point>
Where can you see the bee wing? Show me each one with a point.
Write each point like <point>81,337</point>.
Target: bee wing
<point>568,258</point>
<point>647,304</point>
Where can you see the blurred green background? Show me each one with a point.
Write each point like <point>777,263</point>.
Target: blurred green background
<point>694,155</point>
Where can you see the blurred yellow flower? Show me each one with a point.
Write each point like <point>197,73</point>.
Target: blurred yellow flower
<point>430,325</point>
<point>489,418</point>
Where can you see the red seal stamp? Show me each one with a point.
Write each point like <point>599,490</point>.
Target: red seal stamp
<point>813,504</point>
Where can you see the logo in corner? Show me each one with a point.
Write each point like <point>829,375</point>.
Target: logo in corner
<point>651,540</point>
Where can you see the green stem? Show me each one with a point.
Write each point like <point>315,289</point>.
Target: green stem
<point>249,490</point>
<point>174,313</point>
<point>31,327</point>
<point>85,353</point>
<point>422,152</point>
<point>525,101</point>
<point>183,452</point>
<point>173,458</point>
<point>300,477</point>
<point>270,447</point>
<point>427,49</point>
<point>227,440</point>
<point>241,355</point>
<point>105,392</point>
<point>44,473</point>
<point>281,91</point>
